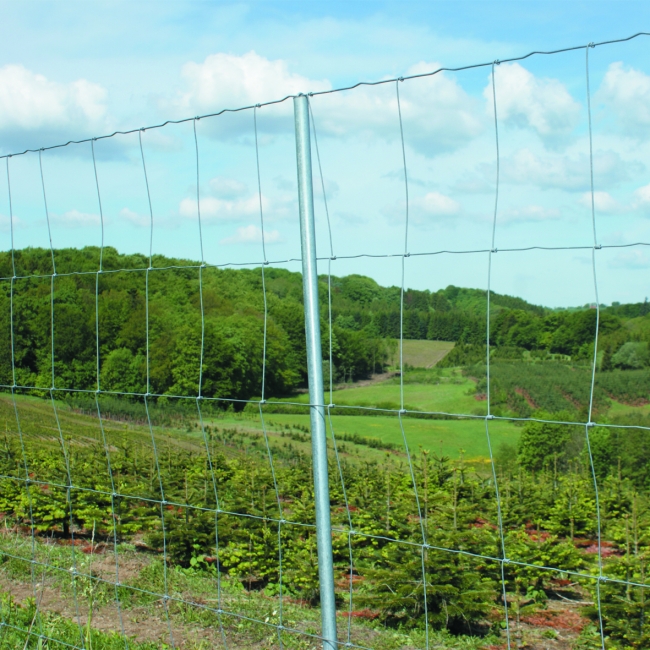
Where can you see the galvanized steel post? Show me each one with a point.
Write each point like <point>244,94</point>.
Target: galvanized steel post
<point>315,373</point>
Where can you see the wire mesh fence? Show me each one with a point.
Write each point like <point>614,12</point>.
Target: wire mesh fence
<point>184,516</point>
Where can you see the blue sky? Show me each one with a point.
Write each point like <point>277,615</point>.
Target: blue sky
<point>71,70</point>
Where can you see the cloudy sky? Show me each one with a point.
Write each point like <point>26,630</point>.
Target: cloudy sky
<point>73,70</point>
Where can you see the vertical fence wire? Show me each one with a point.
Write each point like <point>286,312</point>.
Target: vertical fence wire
<point>19,430</point>
<point>109,468</point>
<point>278,500</point>
<point>64,450</point>
<point>71,490</point>
<point>402,411</point>
<point>199,399</point>
<point>595,355</point>
<point>493,250</point>
<point>162,502</point>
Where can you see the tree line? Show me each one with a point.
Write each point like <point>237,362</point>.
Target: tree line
<point>177,325</point>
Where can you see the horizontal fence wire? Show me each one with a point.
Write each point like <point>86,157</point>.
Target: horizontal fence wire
<point>32,543</point>
<point>337,90</point>
<point>297,260</point>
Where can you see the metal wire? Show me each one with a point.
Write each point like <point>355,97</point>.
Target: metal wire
<point>337,90</point>
<point>601,627</point>
<point>269,453</point>
<point>13,395</point>
<point>320,259</point>
<point>64,450</point>
<point>401,368</point>
<point>282,523</point>
<point>487,358</point>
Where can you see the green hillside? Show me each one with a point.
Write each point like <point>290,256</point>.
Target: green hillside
<point>219,312</point>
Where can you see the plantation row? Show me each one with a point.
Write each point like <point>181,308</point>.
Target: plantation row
<point>547,501</point>
<point>524,388</point>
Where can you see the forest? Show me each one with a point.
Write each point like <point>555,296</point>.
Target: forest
<point>170,308</point>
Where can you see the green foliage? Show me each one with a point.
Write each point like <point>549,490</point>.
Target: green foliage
<point>113,307</point>
<point>464,355</point>
<point>542,445</point>
<point>632,355</point>
<point>556,387</point>
<point>548,511</point>
<point>365,318</point>
<point>624,606</point>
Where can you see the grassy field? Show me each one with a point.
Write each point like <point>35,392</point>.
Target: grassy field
<point>447,397</point>
<point>449,437</point>
<point>422,354</point>
<point>618,409</point>
<point>452,395</point>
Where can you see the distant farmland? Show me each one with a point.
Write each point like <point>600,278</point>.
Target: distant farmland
<point>422,354</point>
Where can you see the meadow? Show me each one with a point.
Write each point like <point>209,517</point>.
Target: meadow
<point>420,353</point>
<point>453,438</point>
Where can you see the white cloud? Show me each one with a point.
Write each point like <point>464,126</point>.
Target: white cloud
<point>437,205</point>
<point>231,81</point>
<point>564,172</point>
<point>231,200</point>
<point>632,258</point>
<point>135,218</point>
<point>528,214</point>
<point>30,102</point>
<point>427,210</point>
<point>216,209</point>
<point>253,235</point>
<point>642,198</point>
<point>626,93</point>
<point>604,203</point>
<point>438,115</point>
<point>76,219</point>
<point>527,101</point>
